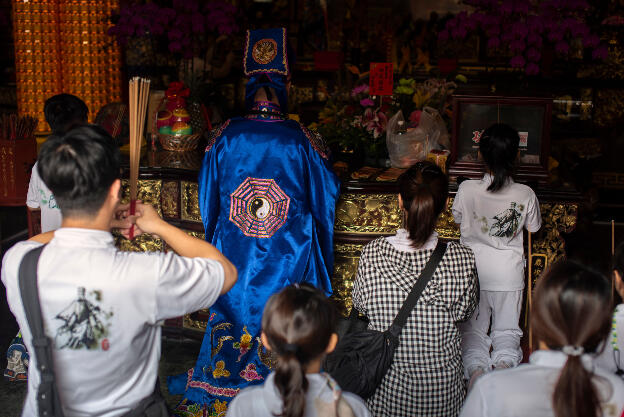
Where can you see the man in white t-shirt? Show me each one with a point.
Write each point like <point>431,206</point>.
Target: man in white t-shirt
<point>61,111</point>
<point>101,307</point>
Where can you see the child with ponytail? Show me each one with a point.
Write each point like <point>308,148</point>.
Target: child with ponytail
<point>612,357</point>
<point>570,321</point>
<point>492,213</point>
<point>298,325</point>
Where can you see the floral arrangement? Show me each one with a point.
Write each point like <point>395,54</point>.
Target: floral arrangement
<point>412,97</point>
<point>352,122</point>
<point>356,122</point>
<point>181,24</point>
<point>525,26</point>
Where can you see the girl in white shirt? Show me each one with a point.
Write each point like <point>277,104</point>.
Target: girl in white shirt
<point>298,325</point>
<point>492,213</point>
<point>612,357</point>
<point>570,321</point>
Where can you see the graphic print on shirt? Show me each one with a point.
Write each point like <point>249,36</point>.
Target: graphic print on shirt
<point>259,207</point>
<point>506,223</point>
<point>47,201</point>
<point>85,323</point>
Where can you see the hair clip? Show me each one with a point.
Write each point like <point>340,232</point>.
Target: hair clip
<point>573,350</point>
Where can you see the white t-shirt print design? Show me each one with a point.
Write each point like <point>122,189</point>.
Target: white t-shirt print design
<point>85,323</point>
<point>40,196</point>
<point>504,224</point>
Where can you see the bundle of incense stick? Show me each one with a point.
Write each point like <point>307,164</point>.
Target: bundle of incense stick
<point>139,93</point>
<point>13,127</point>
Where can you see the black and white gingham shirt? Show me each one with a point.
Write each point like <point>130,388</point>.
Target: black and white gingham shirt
<point>426,377</point>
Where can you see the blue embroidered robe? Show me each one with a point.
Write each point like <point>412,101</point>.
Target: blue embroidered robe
<point>267,197</point>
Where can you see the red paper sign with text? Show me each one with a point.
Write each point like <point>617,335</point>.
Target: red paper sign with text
<point>380,79</point>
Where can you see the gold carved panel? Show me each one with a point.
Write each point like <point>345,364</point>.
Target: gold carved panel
<point>547,245</point>
<point>198,235</point>
<point>367,213</point>
<point>190,323</point>
<point>379,214</point>
<point>171,199</point>
<point>346,258</point>
<point>148,191</point>
<point>142,243</point>
<point>190,201</point>
<point>446,227</point>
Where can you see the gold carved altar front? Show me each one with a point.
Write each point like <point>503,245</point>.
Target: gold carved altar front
<point>362,216</point>
<point>364,212</point>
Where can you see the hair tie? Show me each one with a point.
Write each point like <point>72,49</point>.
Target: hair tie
<point>573,350</point>
<point>290,348</point>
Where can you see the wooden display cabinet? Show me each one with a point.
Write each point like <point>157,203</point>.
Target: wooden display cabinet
<point>530,116</point>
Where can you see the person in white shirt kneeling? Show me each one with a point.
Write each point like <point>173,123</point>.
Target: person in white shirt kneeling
<point>571,319</point>
<point>101,306</point>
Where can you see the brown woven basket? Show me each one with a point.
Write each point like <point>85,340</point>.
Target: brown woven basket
<point>180,143</point>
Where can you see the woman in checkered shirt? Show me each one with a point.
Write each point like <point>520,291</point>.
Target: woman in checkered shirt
<point>426,377</point>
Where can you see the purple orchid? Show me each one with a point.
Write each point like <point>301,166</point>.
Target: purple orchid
<point>562,47</point>
<point>524,26</point>
<point>517,61</point>
<point>532,68</point>
<point>367,102</point>
<point>360,89</point>
<point>183,23</point>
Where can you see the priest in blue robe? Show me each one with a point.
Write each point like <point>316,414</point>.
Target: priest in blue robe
<point>267,197</point>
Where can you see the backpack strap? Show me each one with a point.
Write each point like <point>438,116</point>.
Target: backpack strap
<point>48,400</point>
<point>423,279</point>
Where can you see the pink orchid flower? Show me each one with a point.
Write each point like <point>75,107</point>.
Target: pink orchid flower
<point>374,122</point>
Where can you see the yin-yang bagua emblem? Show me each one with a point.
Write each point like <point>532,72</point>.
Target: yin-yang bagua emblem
<point>259,207</point>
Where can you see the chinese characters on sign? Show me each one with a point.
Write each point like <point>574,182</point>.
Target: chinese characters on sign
<point>524,139</point>
<point>380,79</point>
